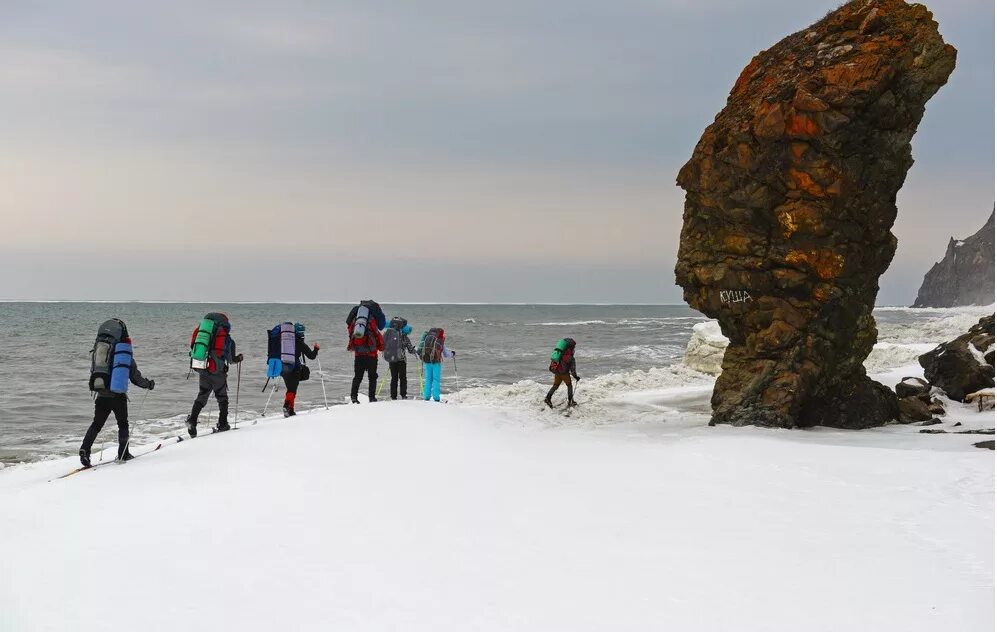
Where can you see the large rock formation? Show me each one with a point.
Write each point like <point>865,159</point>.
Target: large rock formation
<point>964,365</point>
<point>965,276</point>
<point>790,197</point>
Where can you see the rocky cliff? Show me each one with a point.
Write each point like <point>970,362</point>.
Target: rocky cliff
<point>965,276</point>
<point>790,197</point>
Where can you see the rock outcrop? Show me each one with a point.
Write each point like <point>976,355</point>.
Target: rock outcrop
<point>790,197</point>
<point>965,276</point>
<point>964,365</point>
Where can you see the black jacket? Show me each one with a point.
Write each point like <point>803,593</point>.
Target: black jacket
<point>136,378</point>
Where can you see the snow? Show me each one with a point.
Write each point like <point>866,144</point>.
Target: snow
<point>977,354</point>
<point>420,516</point>
<point>705,351</point>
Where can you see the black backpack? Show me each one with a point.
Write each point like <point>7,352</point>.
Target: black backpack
<point>109,334</point>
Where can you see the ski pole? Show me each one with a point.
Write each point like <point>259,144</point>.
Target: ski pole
<point>321,376</point>
<point>268,400</point>
<point>380,387</point>
<point>238,383</point>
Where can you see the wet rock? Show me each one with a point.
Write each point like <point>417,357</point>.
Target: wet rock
<point>930,422</point>
<point>964,365</point>
<point>980,431</point>
<point>790,197</point>
<point>933,431</point>
<point>965,276</point>
<point>912,386</point>
<point>912,409</point>
<point>989,445</point>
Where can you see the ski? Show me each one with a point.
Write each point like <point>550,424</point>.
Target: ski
<point>93,467</point>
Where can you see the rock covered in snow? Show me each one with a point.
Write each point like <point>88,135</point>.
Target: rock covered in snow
<point>912,386</point>
<point>790,198</point>
<point>965,364</point>
<point>705,351</point>
<point>965,276</point>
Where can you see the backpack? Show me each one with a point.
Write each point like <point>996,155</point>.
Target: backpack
<point>102,361</point>
<point>282,346</point>
<point>209,342</point>
<point>560,358</point>
<point>431,346</point>
<point>370,310</point>
<point>393,351</point>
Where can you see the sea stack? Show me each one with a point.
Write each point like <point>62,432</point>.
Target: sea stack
<point>790,198</point>
<point>965,276</point>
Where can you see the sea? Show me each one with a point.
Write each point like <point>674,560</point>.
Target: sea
<point>45,404</point>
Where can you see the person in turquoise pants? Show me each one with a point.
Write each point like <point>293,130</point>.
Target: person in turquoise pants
<point>432,349</point>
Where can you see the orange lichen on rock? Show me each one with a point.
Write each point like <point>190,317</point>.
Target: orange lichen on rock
<point>824,262</point>
<point>801,180</point>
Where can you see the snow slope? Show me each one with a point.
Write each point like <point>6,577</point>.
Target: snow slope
<point>415,516</point>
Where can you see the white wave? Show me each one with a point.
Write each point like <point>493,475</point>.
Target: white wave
<point>569,323</point>
<point>982,310</point>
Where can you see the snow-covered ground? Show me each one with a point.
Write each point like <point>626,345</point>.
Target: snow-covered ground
<point>419,516</point>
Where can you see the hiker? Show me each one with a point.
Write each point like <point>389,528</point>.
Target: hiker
<point>562,365</point>
<point>211,351</point>
<point>432,349</point>
<point>364,325</point>
<point>396,345</point>
<point>112,368</point>
<point>299,371</point>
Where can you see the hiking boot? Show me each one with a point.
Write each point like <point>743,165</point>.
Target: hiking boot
<point>127,456</point>
<point>85,458</point>
<point>222,426</point>
<point>549,403</point>
<point>191,427</point>
<point>355,400</point>
<point>572,403</point>
<point>288,411</point>
<point>371,400</point>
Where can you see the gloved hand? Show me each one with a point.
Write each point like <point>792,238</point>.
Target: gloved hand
<point>237,359</point>
<point>578,379</point>
<point>152,384</point>
<point>316,347</point>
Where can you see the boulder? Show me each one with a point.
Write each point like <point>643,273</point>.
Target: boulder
<point>964,365</point>
<point>912,386</point>
<point>989,445</point>
<point>965,276</point>
<point>790,198</point>
<point>912,409</point>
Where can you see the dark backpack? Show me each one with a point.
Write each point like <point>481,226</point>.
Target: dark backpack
<point>431,346</point>
<point>560,358</point>
<point>109,334</point>
<point>393,350</point>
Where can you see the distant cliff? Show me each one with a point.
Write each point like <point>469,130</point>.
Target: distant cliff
<point>965,276</point>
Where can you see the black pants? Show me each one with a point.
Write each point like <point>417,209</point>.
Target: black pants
<point>566,378</point>
<point>207,384</point>
<point>399,375</point>
<point>102,409</point>
<point>361,365</point>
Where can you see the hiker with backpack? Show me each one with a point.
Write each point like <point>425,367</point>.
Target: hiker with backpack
<point>112,368</point>
<point>363,325</point>
<point>432,350</point>
<point>562,365</point>
<point>285,346</point>
<point>396,345</point>
<point>211,351</point>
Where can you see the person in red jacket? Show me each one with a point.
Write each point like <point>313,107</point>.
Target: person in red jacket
<point>365,352</point>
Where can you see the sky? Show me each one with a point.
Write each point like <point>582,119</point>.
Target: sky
<point>447,151</point>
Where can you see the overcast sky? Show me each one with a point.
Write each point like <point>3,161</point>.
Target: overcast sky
<point>410,151</point>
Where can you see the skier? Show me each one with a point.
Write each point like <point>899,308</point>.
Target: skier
<point>365,350</point>
<point>396,345</point>
<point>432,349</point>
<point>300,372</point>
<point>111,371</point>
<point>562,365</point>
<point>212,350</point>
